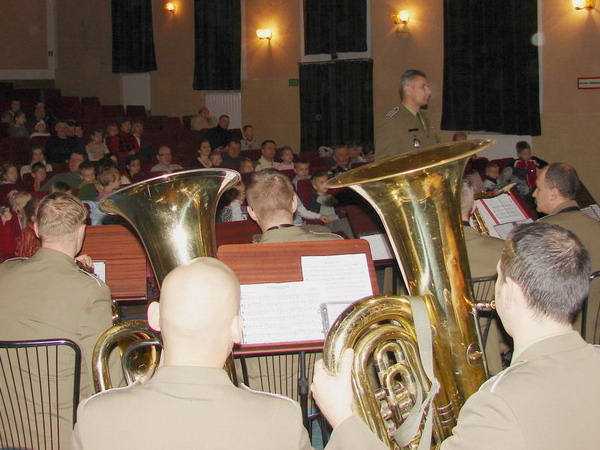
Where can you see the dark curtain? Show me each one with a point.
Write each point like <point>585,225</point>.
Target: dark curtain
<point>218,25</point>
<point>336,102</point>
<point>334,26</point>
<point>132,36</point>
<point>491,76</point>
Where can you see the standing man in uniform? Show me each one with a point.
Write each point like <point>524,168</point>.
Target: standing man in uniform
<point>407,127</point>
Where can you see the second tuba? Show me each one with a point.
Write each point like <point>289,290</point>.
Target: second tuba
<point>417,197</point>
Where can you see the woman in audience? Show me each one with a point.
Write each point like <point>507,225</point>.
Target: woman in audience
<point>204,152</point>
<point>17,128</point>
<point>28,243</point>
<point>111,130</point>
<point>37,156</point>
<point>235,210</point>
<point>8,173</point>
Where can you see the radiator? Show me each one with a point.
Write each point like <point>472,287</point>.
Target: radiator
<point>226,102</point>
<point>505,146</point>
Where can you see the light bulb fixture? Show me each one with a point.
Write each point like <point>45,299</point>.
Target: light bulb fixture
<point>170,8</point>
<point>264,33</point>
<point>401,19</point>
<point>584,4</point>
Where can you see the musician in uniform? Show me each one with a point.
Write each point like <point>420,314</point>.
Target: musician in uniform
<point>47,296</point>
<point>407,127</point>
<point>190,402</point>
<point>557,186</point>
<point>549,396</point>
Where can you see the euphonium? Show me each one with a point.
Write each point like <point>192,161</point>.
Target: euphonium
<point>417,196</point>
<point>174,216</point>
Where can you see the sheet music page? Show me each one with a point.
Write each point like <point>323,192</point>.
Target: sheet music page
<point>503,229</point>
<point>380,246</point>
<point>504,208</point>
<point>100,269</point>
<point>489,221</point>
<point>343,278</point>
<point>593,211</point>
<point>281,312</point>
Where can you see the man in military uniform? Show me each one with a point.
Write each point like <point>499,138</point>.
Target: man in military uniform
<point>272,203</point>
<point>538,295</point>
<point>190,401</point>
<point>557,186</point>
<point>48,296</point>
<point>407,127</point>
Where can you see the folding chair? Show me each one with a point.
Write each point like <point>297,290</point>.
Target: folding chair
<point>39,392</point>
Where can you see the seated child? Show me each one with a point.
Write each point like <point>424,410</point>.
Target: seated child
<point>87,188</point>
<point>324,204</point>
<point>235,210</point>
<point>302,170</point>
<point>525,167</point>
<point>216,159</point>
<point>287,158</point>
<point>492,175</point>
<point>246,166</point>
<point>9,173</point>
<point>109,181</point>
<point>28,243</point>
<point>96,149</point>
<point>17,201</point>
<point>38,173</point>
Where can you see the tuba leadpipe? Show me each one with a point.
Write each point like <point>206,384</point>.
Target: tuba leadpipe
<point>417,197</point>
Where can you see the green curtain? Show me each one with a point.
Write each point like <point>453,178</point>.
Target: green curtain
<point>491,72</point>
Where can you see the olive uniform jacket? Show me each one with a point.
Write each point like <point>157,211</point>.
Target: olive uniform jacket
<point>588,232</point>
<point>397,132</point>
<point>295,234</point>
<point>46,297</point>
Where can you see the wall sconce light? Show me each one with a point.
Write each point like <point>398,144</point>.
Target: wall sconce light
<point>401,19</point>
<point>584,4</point>
<point>169,8</point>
<point>264,33</point>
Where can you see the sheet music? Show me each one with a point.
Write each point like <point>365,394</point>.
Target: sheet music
<point>593,211</point>
<point>504,208</point>
<point>281,312</point>
<point>503,229</point>
<point>380,246</point>
<point>100,269</point>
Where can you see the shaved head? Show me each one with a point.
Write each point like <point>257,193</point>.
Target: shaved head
<point>198,313</point>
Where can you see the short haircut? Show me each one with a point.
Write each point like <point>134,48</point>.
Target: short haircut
<point>246,127</point>
<point>96,131</point>
<point>86,166</point>
<point>459,135</point>
<point>37,166</point>
<point>270,191</point>
<point>222,116</point>
<point>233,140</point>
<point>60,215</point>
<point>268,141</point>
<point>467,198</point>
<point>407,77</point>
<point>491,165</point>
<point>318,175</point>
<point>551,266</point>
<point>30,210</point>
<point>132,158</point>
<point>122,121</point>
<point>339,146</point>
<point>108,176</point>
<point>522,145</point>
<point>301,161</point>
<point>564,178</point>
<point>4,169</point>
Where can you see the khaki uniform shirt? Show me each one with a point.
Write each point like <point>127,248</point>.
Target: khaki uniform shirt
<point>295,234</point>
<point>397,132</point>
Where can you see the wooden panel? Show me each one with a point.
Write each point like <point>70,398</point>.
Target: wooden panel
<point>239,232</point>
<point>125,258</point>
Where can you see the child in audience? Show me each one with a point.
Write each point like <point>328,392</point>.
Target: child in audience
<point>526,166</point>
<point>287,158</point>
<point>96,149</point>
<point>246,166</point>
<point>9,173</point>
<point>61,186</point>
<point>216,159</point>
<point>111,130</point>
<point>28,243</point>
<point>17,201</point>
<point>109,181</point>
<point>38,173</point>
<point>302,170</point>
<point>17,128</point>
<point>87,188</point>
<point>133,164</point>
<point>40,129</point>
<point>492,174</point>
<point>324,204</point>
<point>235,210</point>
<point>37,155</point>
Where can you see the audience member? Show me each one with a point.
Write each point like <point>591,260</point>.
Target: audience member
<point>38,174</point>
<point>41,114</point>
<point>165,157</point>
<point>37,156</point>
<point>124,143</point>
<point>247,166</point>
<point>492,175</point>
<point>203,120</point>
<point>96,149</point>
<point>235,210</point>
<point>18,200</point>
<point>199,319</point>
<point>137,129</point>
<point>215,158</point>
<point>111,130</point>
<point>9,115</point>
<point>219,135</point>
<point>268,149</point>
<point>71,178</point>
<point>57,299</point>
<point>109,181</point>
<point>40,130</point>
<point>28,243</point>
<point>525,167</point>
<point>355,151</point>
<point>203,160</point>
<point>60,146</point>
<point>9,173</point>
<point>459,136</point>
<point>249,141</point>
<point>17,128</point>
<point>133,164</point>
<point>287,158</point>
<point>272,203</point>
<point>87,187</point>
<point>538,294</point>
<point>232,156</point>
<point>557,187</point>
<point>302,170</point>
<point>341,156</point>
<point>324,204</point>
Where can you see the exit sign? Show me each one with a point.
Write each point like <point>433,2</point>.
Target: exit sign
<point>293,81</point>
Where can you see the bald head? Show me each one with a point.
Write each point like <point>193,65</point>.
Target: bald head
<point>198,313</point>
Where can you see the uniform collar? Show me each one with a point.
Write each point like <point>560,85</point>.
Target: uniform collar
<point>190,375</point>
<point>54,255</point>
<point>554,344</point>
<point>565,205</point>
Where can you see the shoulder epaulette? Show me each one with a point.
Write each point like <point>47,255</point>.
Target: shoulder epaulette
<point>392,112</point>
<point>270,394</point>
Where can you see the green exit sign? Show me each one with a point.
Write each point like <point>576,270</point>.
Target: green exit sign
<point>293,81</point>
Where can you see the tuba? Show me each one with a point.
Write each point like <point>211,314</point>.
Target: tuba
<point>174,216</point>
<point>417,197</point>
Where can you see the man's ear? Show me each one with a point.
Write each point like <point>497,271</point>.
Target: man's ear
<point>154,316</point>
<point>252,213</point>
<point>35,228</point>
<point>236,329</point>
<point>294,203</point>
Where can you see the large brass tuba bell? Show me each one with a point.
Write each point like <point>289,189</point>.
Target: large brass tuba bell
<point>174,216</point>
<point>417,197</point>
